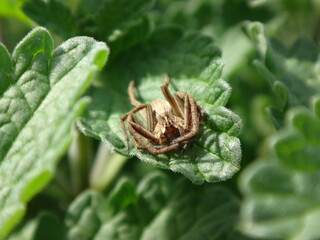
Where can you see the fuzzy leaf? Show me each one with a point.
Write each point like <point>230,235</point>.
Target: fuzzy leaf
<point>163,212</point>
<point>282,195</point>
<point>37,109</point>
<point>194,65</point>
<point>291,71</point>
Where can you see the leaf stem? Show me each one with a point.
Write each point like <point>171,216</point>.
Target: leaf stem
<point>80,159</point>
<point>106,167</point>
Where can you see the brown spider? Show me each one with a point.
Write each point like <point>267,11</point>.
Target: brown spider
<point>169,124</point>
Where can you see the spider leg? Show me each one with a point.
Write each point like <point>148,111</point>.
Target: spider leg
<point>136,121</point>
<point>171,100</point>
<point>138,127</point>
<point>187,113</point>
<point>136,144</point>
<point>124,117</point>
<point>190,117</point>
<point>151,120</point>
<point>181,95</point>
<point>187,117</point>
<point>202,113</point>
<point>124,129</point>
<point>133,99</point>
<point>144,144</point>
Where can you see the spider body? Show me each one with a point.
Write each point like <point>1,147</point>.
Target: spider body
<point>170,123</point>
<point>167,124</point>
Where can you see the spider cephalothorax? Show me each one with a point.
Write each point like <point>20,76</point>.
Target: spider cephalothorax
<point>168,124</point>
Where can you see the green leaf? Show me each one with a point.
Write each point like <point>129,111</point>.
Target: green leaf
<point>276,116</point>
<point>295,67</point>
<point>163,212</point>
<point>282,194</point>
<point>53,15</point>
<point>49,227</point>
<point>120,23</point>
<point>114,15</point>
<point>25,231</point>
<point>106,167</point>
<point>5,68</point>
<point>242,47</point>
<point>129,35</point>
<point>44,226</point>
<point>194,65</point>
<point>84,216</point>
<point>292,72</point>
<point>12,8</point>
<point>123,195</point>
<point>88,7</point>
<point>299,146</point>
<point>214,214</point>
<point>36,113</point>
<point>279,202</point>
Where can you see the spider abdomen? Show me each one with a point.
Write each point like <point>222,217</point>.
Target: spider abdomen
<point>169,135</point>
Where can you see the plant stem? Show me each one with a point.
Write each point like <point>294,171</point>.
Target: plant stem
<point>80,159</point>
<point>106,167</point>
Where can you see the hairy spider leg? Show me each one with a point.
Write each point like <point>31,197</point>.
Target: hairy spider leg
<point>147,115</point>
<point>187,111</point>
<point>171,100</point>
<point>140,128</point>
<point>125,116</point>
<point>184,107</point>
<point>194,117</point>
<point>133,100</point>
<point>136,125</point>
<point>201,112</point>
<point>144,144</point>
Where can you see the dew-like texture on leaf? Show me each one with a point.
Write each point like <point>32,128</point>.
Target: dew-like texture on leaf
<point>282,195</point>
<point>194,65</point>
<point>161,211</point>
<point>37,109</point>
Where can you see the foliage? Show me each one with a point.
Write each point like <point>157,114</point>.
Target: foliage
<point>190,67</point>
<point>39,102</point>
<point>192,61</point>
<point>154,210</point>
<point>252,65</point>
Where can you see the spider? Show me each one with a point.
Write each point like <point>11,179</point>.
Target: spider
<point>170,124</point>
